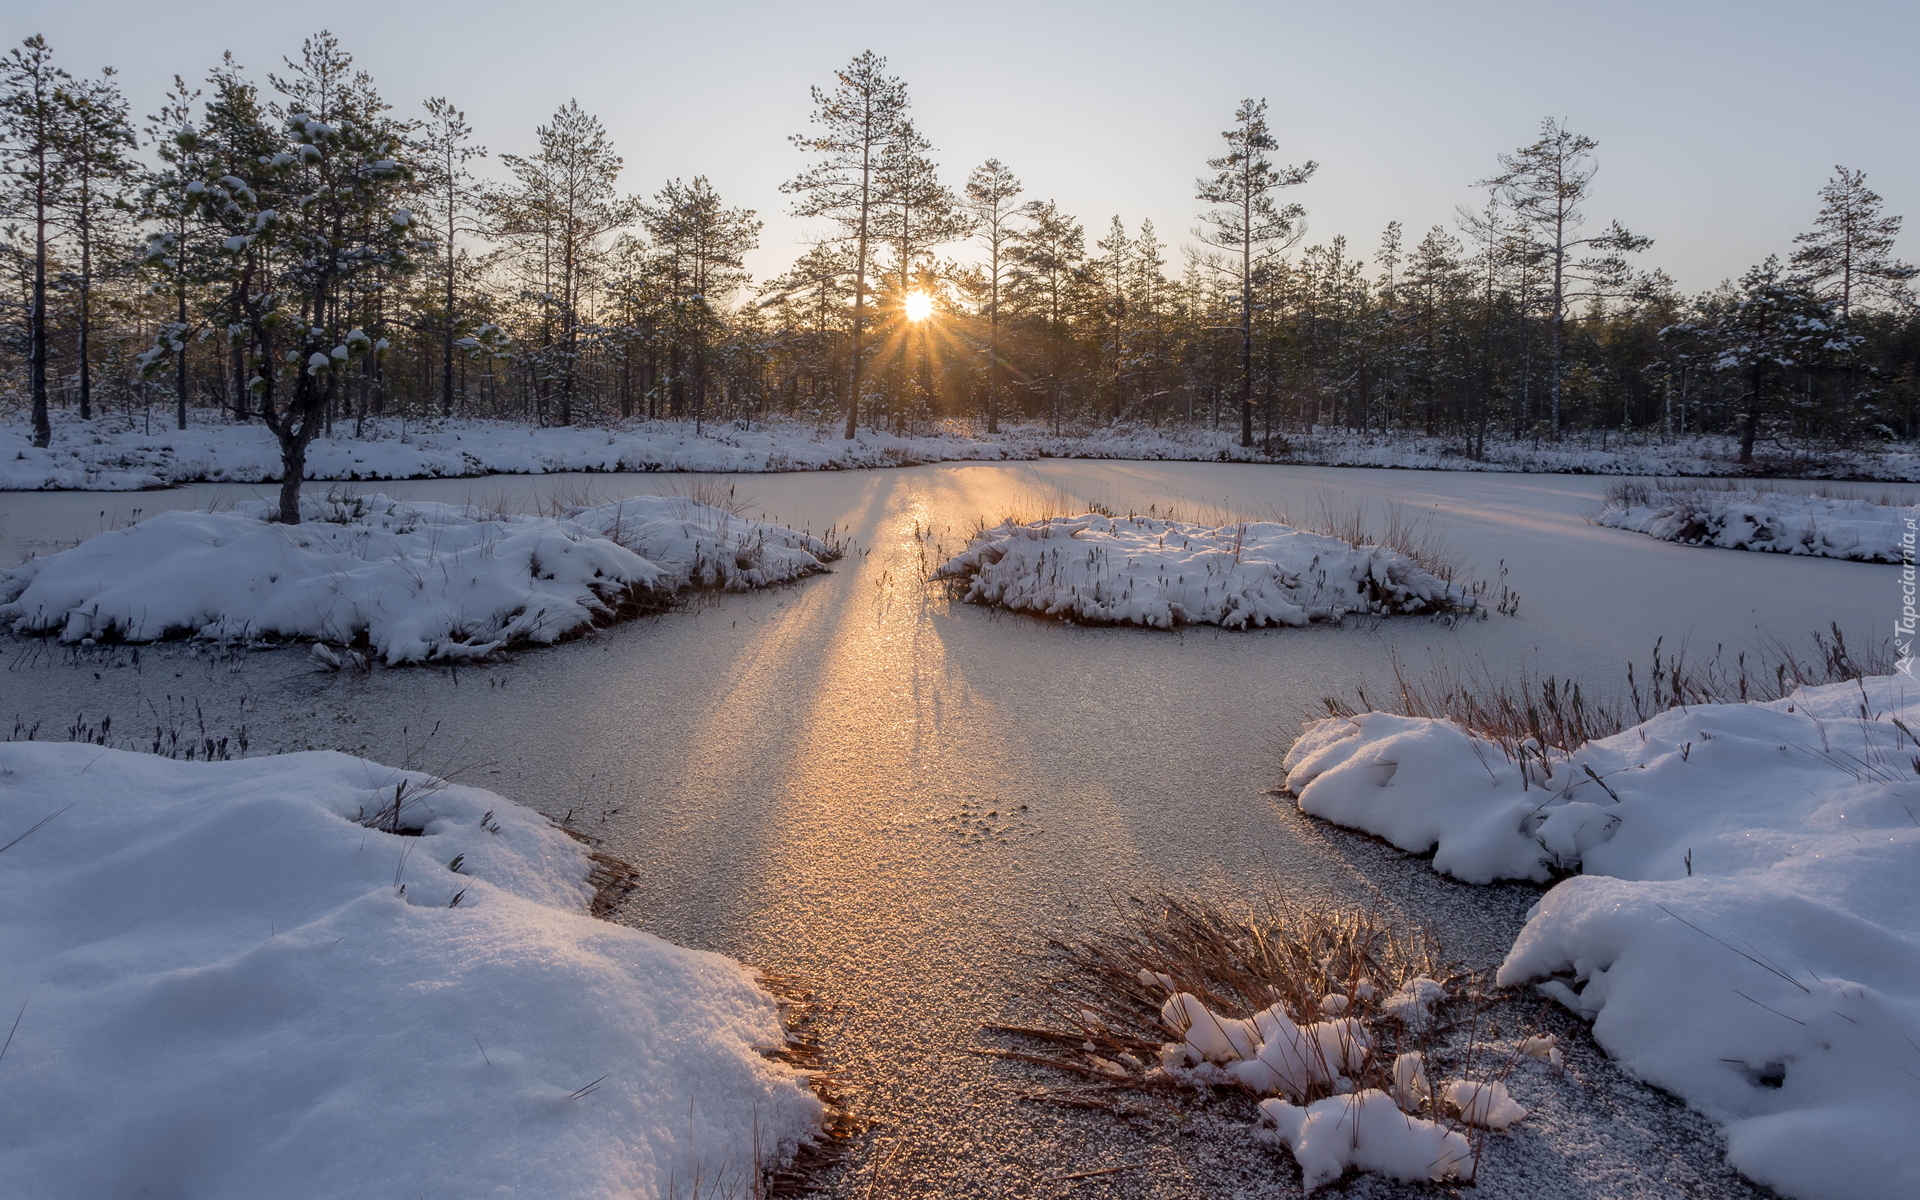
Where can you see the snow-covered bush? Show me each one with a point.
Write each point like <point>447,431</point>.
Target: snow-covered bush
<point>229,986</point>
<point>413,580</point>
<point>1745,927</point>
<point>1161,573</point>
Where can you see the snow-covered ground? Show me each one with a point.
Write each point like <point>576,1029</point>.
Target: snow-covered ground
<point>1825,527</point>
<point>1745,927</point>
<point>411,580</point>
<point>1148,571</point>
<point>114,455</point>
<point>228,985</point>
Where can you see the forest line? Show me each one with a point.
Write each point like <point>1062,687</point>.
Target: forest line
<point>292,251</point>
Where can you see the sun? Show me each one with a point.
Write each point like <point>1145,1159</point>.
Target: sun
<point>919,306</point>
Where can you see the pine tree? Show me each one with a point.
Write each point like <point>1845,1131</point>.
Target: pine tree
<point>1776,324</point>
<point>1848,254</point>
<point>1249,224</point>
<point>1048,254</point>
<point>917,214</point>
<point>172,250</point>
<point>556,217</point>
<point>1112,271</point>
<point>444,147</point>
<point>310,222</point>
<point>991,191</point>
<point>97,145</point>
<point>31,122</point>
<point>1544,184</point>
<point>855,123</point>
<point>701,245</point>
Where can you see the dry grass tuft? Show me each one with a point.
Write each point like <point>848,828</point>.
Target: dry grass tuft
<point>1560,714</point>
<point>1102,1020</point>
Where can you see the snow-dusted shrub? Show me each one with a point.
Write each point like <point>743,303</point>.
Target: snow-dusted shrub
<point>1161,573</point>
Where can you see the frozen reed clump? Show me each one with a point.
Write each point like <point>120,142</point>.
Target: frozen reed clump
<point>1330,1019</point>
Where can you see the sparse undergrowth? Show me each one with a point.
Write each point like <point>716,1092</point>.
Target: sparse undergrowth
<point>1528,713</point>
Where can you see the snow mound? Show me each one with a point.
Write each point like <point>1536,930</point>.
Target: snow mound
<point>415,580</point>
<point>1746,928</point>
<point>233,989</point>
<point>1369,1131</point>
<point>1773,521</point>
<point>1146,571</point>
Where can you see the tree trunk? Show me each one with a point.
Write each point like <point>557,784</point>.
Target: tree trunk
<point>37,314</point>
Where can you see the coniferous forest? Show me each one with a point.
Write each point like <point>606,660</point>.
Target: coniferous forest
<point>287,248</point>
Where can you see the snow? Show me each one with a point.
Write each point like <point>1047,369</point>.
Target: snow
<point>1484,1104</point>
<point>1825,527</point>
<point>235,989</point>
<point>415,580</point>
<point>119,454</point>
<point>1148,571</point>
<point>1369,1131</point>
<point>1745,930</point>
<point>1347,1125</point>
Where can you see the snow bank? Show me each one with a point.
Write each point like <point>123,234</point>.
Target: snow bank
<point>234,989</point>
<point>1746,930</point>
<point>112,455</point>
<point>414,580</point>
<point>1145,571</point>
<point>1366,1130</point>
<point>1747,520</point>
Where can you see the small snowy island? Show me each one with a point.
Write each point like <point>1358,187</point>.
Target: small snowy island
<point>412,581</point>
<point>1161,573</point>
<point>1748,519</point>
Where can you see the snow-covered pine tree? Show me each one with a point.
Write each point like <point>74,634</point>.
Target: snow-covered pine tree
<point>917,214</point>
<point>1247,223</point>
<point>300,230</point>
<point>1775,324</point>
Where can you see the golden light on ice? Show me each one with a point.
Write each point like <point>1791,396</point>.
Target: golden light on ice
<point>919,306</point>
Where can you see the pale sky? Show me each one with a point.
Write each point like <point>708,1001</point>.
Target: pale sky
<point>1717,122</point>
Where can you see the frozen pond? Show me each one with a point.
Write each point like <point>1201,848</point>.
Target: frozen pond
<point>896,797</point>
